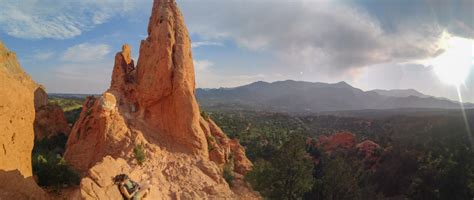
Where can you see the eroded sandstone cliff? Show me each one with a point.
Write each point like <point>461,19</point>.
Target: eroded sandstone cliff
<point>17,115</point>
<point>153,105</point>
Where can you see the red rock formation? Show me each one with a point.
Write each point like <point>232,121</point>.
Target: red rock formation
<point>124,71</point>
<point>165,78</point>
<point>17,114</point>
<point>154,106</point>
<point>223,150</point>
<point>50,120</point>
<point>343,140</point>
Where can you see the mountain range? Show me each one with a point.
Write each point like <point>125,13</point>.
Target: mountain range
<point>299,96</point>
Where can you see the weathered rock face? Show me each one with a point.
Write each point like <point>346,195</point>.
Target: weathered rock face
<point>17,114</point>
<point>100,130</point>
<point>50,120</point>
<point>165,81</point>
<point>154,106</point>
<point>124,72</point>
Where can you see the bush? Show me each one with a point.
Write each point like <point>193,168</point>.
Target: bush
<point>52,171</point>
<point>228,174</point>
<point>204,115</point>
<point>49,166</point>
<point>139,154</point>
<point>288,175</point>
<point>72,115</point>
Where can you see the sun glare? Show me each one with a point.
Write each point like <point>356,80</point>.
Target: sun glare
<point>454,65</point>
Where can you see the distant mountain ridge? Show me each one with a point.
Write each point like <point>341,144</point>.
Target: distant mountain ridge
<point>299,96</point>
<point>401,93</point>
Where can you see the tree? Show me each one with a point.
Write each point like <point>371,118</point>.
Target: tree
<point>340,179</point>
<point>288,175</point>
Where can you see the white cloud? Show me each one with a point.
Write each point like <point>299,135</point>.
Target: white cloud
<point>86,52</point>
<point>207,76</point>
<point>85,78</point>
<point>202,65</point>
<point>44,55</point>
<point>330,37</point>
<point>32,19</point>
<point>205,43</point>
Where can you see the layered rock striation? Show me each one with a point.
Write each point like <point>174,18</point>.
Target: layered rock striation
<point>153,106</point>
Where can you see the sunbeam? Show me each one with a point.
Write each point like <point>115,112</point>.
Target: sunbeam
<point>466,121</point>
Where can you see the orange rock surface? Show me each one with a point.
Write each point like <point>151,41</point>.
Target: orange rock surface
<point>165,81</point>
<point>17,115</point>
<point>50,120</point>
<point>154,106</point>
<point>343,140</point>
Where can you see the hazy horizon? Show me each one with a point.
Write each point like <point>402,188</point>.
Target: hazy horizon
<point>69,46</point>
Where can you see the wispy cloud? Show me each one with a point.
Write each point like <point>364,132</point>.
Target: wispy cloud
<point>205,43</point>
<point>86,52</point>
<point>202,65</point>
<point>331,37</point>
<point>82,68</point>
<point>32,19</point>
<point>208,76</point>
<point>41,56</point>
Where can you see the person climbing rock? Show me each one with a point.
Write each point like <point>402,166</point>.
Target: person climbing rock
<point>131,190</point>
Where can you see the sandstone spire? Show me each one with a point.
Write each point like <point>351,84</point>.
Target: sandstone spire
<point>166,84</point>
<point>154,106</point>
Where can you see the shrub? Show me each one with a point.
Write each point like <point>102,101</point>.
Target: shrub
<point>52,171</point>
<point>228,174</point>
<point>287,175</point>
<point>139,154</point>
<point>49,166</point>
<point>204,115</point>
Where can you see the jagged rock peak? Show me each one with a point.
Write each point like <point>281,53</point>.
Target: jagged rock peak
<point>126,54</point>
<point>166,82</point>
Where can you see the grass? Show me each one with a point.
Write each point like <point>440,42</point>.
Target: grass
<point>139,153</point>
<point>67,104</point>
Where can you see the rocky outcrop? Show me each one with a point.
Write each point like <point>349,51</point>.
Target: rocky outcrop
<point>17,114</point>
<point>223,150</point>
<point>153,106</point>
<point>50,121</point>
<point>165,81</point>
<point>338,141</point>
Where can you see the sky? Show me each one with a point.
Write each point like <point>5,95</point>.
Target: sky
<point>427,45</point>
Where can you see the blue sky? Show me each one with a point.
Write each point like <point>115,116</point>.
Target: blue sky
<point>69,46</point>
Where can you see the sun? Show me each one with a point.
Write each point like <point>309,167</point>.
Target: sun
<point>454,64</point>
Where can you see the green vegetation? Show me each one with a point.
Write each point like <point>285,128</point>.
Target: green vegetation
<point>67,104</point>
<point>72,107</point>
<point>228,174</point>
<point>204,115</point>
<point>287,175</point>
<point>423,156</point>
<point>139,153</point>
<point>50,167</point>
